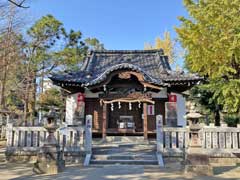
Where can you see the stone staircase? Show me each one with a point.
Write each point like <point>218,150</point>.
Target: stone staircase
<point>124,151</point>
<point>2,155</point>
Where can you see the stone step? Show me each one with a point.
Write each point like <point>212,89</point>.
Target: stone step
<point>124,162</point>
<point>124,157</point>
<point>118,151</point>
<point>2,155</point>
<point>126,147</point>
<point>121,139</point>
<point>139,146</point>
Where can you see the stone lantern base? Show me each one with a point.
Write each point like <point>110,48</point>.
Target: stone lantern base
<point>198,163</point>
<point>49,160</point>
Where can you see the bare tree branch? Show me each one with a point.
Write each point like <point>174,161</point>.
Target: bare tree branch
<point>20,4</point>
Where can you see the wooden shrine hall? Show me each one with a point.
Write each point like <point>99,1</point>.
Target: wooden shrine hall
<point>124,90</point>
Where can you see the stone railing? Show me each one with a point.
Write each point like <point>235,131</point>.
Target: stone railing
<point>221,138</point>
<point>173,141</point>
<point>30,139</point>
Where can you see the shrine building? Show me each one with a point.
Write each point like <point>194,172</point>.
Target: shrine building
<point>124,90</point>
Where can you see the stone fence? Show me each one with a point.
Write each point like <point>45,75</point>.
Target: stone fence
<point>212,140</point>
<point>27,140</point>
<point>175,141</point>
<point>224,139</point>
<point>220,139</point>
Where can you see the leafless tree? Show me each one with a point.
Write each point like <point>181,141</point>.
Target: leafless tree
<point>19,4</point>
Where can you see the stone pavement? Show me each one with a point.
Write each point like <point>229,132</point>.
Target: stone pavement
<point>23,171</point>
<point>118,172</point>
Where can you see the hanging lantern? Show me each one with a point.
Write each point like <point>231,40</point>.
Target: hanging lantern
<point>112,107</point>
<point>80,109</point>
<point>145,89</point>
<point>139,104</point>
<point>80,97</point>
<point>119,105</point>
<point>130,106</point>
<point>172,98</point>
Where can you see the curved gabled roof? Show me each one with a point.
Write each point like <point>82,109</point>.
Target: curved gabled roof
<point>152,64</point>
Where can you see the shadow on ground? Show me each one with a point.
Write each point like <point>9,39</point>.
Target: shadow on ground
<point>120,172</point>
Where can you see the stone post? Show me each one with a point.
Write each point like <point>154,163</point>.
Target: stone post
<point>159,128</point>
<point>88,134</point>
<point>9,134</point>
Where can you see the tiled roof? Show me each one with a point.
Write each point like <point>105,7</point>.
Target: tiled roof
<point>153,64</point>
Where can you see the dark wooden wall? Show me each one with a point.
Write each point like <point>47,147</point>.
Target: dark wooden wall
<point>159,109</point>
<point>93,107</point>
<point>136,112</point>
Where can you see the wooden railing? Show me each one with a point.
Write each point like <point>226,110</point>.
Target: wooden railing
<point>32,138</point>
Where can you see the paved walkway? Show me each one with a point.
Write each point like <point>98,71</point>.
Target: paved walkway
<point>23,171</point>
<point>118,172</point>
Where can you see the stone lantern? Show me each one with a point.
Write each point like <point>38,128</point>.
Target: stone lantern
<point>194,127</point>
<point>49,160</point>
<point>196,160</point>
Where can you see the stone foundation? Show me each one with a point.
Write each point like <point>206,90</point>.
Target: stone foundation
<point>30,157</point>
<point>199,169</point>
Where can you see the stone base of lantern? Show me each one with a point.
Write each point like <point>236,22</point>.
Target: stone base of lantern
<point>49,160</point>
<point>198,163</point>
<point>199,170</point>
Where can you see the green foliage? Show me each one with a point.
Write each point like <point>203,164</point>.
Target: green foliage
<point>51,97</point>
<point>46,31</point>
<point>226,93</point>
<point>212,38</point>
<point>43,36</point>
<point>13,101</point>
<point>204,97</point>
<point>46,47</point>
<point>232,120</point>
<point>165,43</point>
<point>94,44</point>
<point>73,52</point>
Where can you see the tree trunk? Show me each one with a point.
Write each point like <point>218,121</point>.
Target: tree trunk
<point>26,104</point>
<point>2,89</point>
<point>217,116</point>
<point>33,102</point>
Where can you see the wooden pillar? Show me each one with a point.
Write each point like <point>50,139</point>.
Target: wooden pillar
<point>145,129</point>
<point>104,121</point>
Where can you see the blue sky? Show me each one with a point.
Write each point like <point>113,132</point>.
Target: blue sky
<point>118,24</point>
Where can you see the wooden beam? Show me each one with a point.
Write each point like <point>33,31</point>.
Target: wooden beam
<point>104,122</point>
<point>145,84</point>
<point>145,129</point>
